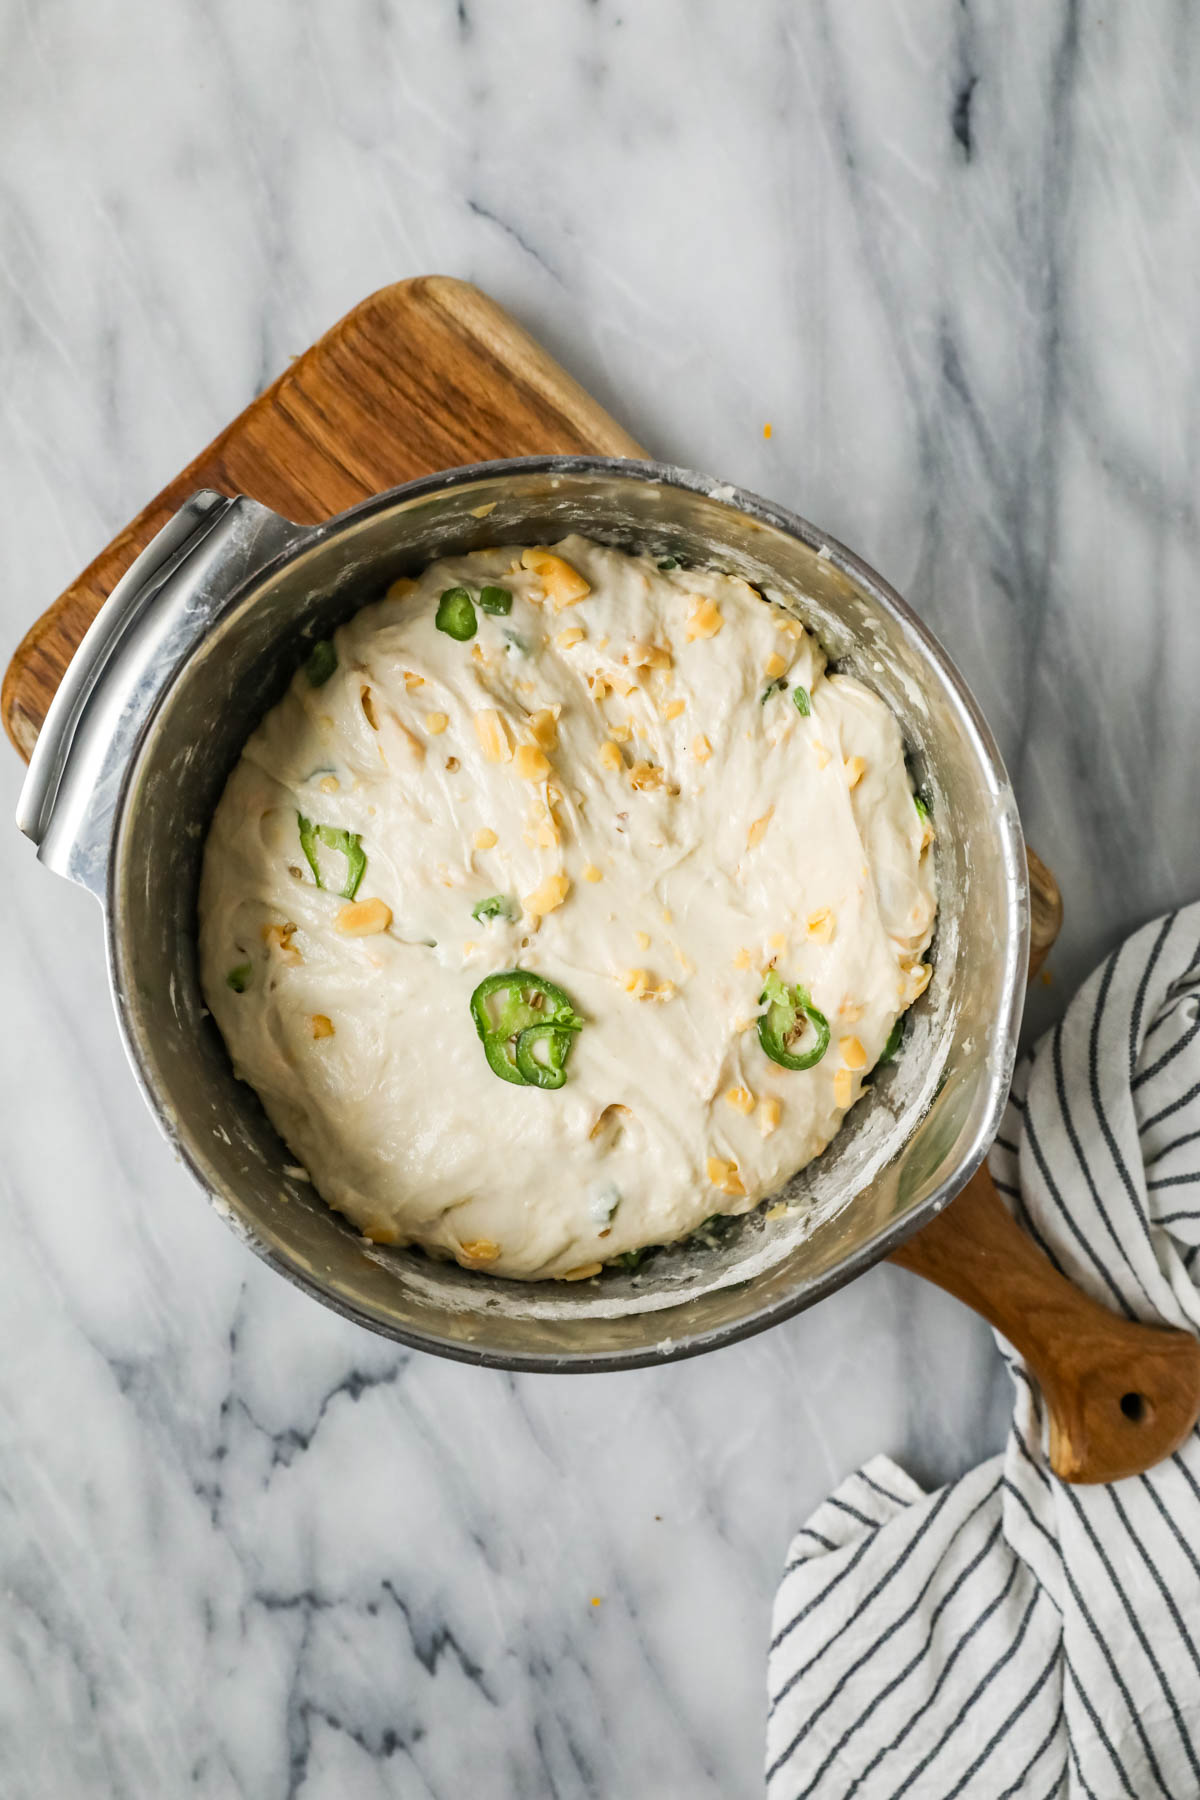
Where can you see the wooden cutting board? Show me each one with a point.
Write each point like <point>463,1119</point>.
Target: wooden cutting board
<point>431,373</point>
<point>421,376</point>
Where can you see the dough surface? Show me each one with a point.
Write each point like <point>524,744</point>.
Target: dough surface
<point>662,833</point>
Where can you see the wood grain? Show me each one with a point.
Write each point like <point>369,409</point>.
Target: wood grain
<point>430,373</point>
<point>418,377</point>
<point>421,376</point>
<point>1120,1396</point>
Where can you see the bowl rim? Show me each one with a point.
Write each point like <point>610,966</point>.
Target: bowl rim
<point>671,1348</point>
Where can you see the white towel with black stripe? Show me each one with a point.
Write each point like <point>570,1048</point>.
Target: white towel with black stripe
<point>1010,1635</point>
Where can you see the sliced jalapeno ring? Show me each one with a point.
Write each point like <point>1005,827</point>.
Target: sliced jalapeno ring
<point>533,1013</point>
<point>532,1000</point>
<point>495,600</point>
<point>789,1013</point>
<point>548,1070</point>
<point>456,614</point>
<point>501,1061</point>
<point>348,842</point>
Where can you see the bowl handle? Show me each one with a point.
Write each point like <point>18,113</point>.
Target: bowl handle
<point>163,604</point>
<point>1120,1396</point>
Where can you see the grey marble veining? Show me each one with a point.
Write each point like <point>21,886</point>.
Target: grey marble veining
<point>950,252</point>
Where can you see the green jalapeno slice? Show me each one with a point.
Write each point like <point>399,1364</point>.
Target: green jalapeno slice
<point>891,1049</point>
<point>789,1015</point>
<point>519,1014</point>
<point>456,614</point>
<point>322,661</point>
<point>348,842</point>
<point>547,1069</point>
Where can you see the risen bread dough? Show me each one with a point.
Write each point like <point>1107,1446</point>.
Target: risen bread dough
<point>664,834</point>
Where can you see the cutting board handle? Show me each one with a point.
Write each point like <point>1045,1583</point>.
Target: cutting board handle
<point>1120,1396</point>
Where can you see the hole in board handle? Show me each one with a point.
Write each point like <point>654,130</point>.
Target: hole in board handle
<point>1134,1407</point>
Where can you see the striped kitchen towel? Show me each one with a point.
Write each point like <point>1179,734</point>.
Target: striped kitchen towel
<point>1009,1635</point>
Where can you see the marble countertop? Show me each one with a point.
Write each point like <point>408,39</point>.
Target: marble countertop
<point>248,1549</point>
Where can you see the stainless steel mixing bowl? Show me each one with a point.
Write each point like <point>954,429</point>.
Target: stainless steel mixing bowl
<point>202,636</point>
